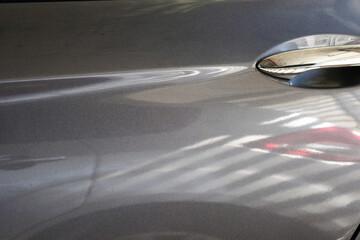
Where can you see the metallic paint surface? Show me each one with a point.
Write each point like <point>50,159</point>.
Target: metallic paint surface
<point>139,150</point>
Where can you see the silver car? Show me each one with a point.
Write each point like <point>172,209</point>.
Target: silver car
<point>180,119</point>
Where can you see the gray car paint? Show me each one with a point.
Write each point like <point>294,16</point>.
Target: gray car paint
<point>120,118</point>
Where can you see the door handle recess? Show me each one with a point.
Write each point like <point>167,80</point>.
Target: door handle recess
<point>318,61</point>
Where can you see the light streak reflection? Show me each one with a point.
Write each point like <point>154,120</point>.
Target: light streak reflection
<point>111,81</point>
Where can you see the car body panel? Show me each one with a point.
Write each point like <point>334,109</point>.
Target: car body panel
<point>130,117</point>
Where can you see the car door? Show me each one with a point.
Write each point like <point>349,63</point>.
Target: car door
<point>149,119</point>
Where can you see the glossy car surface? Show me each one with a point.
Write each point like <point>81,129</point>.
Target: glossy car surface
<point>148,120</point>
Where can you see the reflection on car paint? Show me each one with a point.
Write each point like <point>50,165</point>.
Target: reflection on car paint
<point>25,90</point>
<point>331,144</point>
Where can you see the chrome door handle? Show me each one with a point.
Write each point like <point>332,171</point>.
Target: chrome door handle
<point>290,59</point>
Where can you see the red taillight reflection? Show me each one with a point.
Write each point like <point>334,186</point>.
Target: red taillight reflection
<point>330,144</point>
